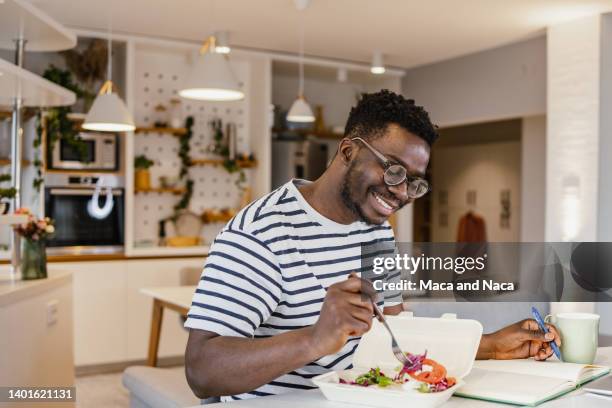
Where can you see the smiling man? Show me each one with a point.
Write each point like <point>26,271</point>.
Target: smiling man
<point>281,301</point>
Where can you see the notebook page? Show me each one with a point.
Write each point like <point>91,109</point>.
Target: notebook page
<point>511,387</point>
<point>550,368</point>
<point>591,371</point>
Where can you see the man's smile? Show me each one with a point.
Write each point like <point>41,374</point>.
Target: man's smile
<point>384,205</point>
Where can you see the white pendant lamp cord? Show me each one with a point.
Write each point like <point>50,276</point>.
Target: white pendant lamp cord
<point>109,67</point>
<point>301,64</point>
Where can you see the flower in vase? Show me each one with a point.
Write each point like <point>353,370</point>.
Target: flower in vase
<point>34,229</point>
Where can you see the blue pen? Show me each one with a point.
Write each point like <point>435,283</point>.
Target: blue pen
<point>538,318</point>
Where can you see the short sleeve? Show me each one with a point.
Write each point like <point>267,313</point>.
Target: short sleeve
<point>239,288</point>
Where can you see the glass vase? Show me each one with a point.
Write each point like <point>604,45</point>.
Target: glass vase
<point>33,259</point>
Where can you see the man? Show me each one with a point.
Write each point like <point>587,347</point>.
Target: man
<point>279,301</point>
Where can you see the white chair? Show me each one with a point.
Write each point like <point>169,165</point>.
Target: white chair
<point>152,387</point>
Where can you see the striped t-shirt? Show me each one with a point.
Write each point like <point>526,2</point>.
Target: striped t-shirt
<point>268,271</point>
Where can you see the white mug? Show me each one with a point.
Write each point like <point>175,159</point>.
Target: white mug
<point>579,335</point>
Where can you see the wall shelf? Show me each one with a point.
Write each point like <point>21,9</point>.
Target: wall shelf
<point>214,216</point>
<point>245,164</point>
<point>6,162</point>
<point>161,190</point>
<point>162,130</point>
<point>16,82</point>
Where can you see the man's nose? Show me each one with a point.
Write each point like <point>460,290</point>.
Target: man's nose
<point>400,191</point>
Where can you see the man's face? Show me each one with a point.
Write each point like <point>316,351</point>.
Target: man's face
<point>364,191</point>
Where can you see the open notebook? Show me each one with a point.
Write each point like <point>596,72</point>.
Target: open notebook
<point>526,382</point>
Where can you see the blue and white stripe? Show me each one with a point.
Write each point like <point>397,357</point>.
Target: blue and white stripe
<point>268,272</point>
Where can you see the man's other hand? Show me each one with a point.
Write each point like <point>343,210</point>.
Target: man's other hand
<point>519,340</point>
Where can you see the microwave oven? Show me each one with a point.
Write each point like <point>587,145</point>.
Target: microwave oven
<point>101,153</point>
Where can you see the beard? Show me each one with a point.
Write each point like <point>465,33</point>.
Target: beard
<point>347,195</point>
<point>350,191</point>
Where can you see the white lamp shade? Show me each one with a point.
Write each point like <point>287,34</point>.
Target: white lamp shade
<point>300,111</point>
<point>212,79</point>
<point>222,44</point>
<point>378,67</point>
<point>109,114</point>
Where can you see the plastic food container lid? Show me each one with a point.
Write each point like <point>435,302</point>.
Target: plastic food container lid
<point>450,341</point>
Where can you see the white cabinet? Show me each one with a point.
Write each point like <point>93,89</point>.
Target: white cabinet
<point>100,303</point>
<point>36,336</point>
<point>112,318</point>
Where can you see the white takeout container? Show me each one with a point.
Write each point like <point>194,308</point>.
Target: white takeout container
<point>450,341</point>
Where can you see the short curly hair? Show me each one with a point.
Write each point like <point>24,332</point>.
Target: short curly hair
<point>375,111</point>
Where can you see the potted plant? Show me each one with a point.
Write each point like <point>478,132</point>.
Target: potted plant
<point>5,194</point>
<point>34,245</point>
<point>142,177</point>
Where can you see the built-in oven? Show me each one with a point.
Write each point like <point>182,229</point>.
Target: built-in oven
<point>88,212</point>
<point>95,152</point>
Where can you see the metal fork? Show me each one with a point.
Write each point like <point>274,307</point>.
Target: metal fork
<point>397,351</point>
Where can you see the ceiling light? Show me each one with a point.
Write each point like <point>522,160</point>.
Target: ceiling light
<point>212,77</point>
<point>377,64</point>
<point>300,109</point>
<point>108,112</point>
<point>222,44</point>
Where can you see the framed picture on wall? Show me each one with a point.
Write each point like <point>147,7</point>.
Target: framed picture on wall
<point>504,215</point>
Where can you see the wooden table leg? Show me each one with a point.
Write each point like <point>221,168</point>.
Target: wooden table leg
<point>156,322</point>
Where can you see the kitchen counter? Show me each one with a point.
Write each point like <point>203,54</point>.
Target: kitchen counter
<point>36,317</point>
<point>112,257</point>
<point>15,291</point>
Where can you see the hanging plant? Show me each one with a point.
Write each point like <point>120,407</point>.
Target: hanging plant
<point>219,147</point>
<point>57,123</point>
<point>184,150</point>
<point>6,192</point>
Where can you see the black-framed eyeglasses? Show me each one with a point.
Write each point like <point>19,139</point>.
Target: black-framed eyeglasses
<point>396,174</point>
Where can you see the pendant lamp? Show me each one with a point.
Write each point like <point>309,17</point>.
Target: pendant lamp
<point>108,112</point>
<point>301,111</point>
<point>378,67</point>
<point>212,77</point>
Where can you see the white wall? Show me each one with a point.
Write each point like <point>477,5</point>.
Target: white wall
<point>533,178</point>
<point>604,219</point>
<point>573,130</point>
<point>506,82</point>
<point>486,168</point>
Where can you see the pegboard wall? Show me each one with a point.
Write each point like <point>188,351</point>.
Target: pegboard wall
<point>158,76</point>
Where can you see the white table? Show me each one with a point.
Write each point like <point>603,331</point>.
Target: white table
<point>177,298</point>
<point>314,398</point>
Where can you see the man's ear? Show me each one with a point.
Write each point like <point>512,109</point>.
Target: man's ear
<point>346,150</point>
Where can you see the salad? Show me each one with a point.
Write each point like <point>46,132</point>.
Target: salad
<point>430,374</point>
